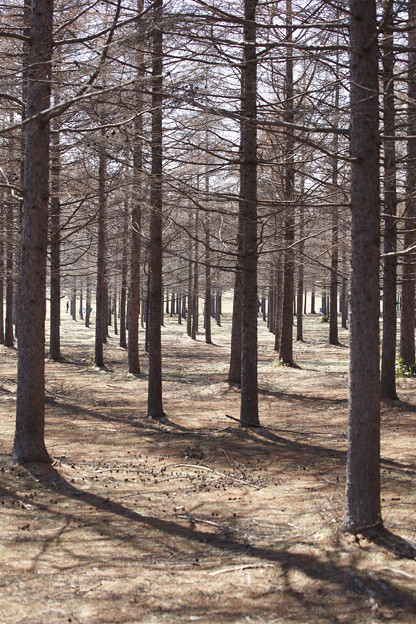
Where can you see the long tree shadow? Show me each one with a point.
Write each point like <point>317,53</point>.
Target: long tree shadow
<point>329,571</point>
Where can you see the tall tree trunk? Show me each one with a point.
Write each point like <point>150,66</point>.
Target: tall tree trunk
<point>154,406</point>
<point>55,246</point>
<point>363,510</point>
<point>100,305</point>
<point>29,443</point>
<point>407,324</point>
<point>87,302</point>
<point>208,298</point>
<point>333,297</point>
<point>195,303</point>
<point>388,358</point>
<point>8,329</point>
<point>286,343</point>
<point>123,294</point>
<point>249,413</point>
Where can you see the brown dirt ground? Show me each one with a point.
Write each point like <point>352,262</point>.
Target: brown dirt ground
<point>195,519</point>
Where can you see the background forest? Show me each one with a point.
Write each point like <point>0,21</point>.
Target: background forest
<point>157,158</point>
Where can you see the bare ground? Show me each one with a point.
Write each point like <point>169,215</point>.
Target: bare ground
<point>196,519</point>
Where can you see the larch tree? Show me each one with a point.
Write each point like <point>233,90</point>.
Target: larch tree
<point>155,403</point>
<point>363,506</point>
<point>249,415</point>
<point>29,443</point>
<point>388,357</point>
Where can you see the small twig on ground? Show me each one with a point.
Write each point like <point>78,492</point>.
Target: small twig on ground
<point>220,474</point>
<point>210,522</point>
<point>402,572</point>
<point>242,567</point>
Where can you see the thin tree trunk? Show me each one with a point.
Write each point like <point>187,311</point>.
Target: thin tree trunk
<point>55,278</point>
<point>207,312</point>
<point>155,408</point>
<point>333,297</point>
<point>136,218</point>
<point>8,328</point>
<point>249,414</point>
<point>195,303</point>
<point>388,358</point>
<point>100,307</point>
<point>123,294</point>
<point>286,344</point>
<point>87,303</point>
<point>407,324</point>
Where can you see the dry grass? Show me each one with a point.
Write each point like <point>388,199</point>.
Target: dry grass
<point>195,519</point>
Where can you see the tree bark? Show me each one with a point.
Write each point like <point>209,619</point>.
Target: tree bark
<point>100,305</point>
<point>154,406</point>
<point>249,414</point>
<point>363,509</point>
<point>29,443</point>
<point>123,293</point>
<point>55,247</point>
<point>388,358</point>
<point>286,343</point>
<point>407,324</point>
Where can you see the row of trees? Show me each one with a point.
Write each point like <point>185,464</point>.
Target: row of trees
<point>192,148</point>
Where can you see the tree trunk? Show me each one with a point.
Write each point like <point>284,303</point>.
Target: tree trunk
<point>363,509</point>
<point>123,294</point>
<point>388,359</point>
<point>234,372</point>
<point>207,311</point>
<point>55,278</point>
<point>286,343</point>
<point>8,328</point>
<point>333,297</point>
<point>195,303</point>
<point>249,414</point>
<point>100,305</point>
<point>407,324</point>
<point>29,444</point>
<point>87,303</point>
<point>155,408</point>
<point>136,218</point>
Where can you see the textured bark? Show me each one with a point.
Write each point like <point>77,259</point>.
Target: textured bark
<point>333,292</point>
<point>208,296</point>
<point>100,295</point>
<point>299,319</point>
<point>249,414</point>
<point>286,343</point>
<point>363,509</point>
<point>55,248</point>
<point>8,328</point>
<point>123,293</point>
<point>154,405</point>
<point>2,232</point>
<point>87,303</point>
<point>388,358</point>
<point>407,324</point>
<point>234,372</point>
<point>136,215</point>
<point>29,444</point>
<point>195,302</point>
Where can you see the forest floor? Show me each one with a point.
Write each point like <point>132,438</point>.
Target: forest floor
<point>196,519</point>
